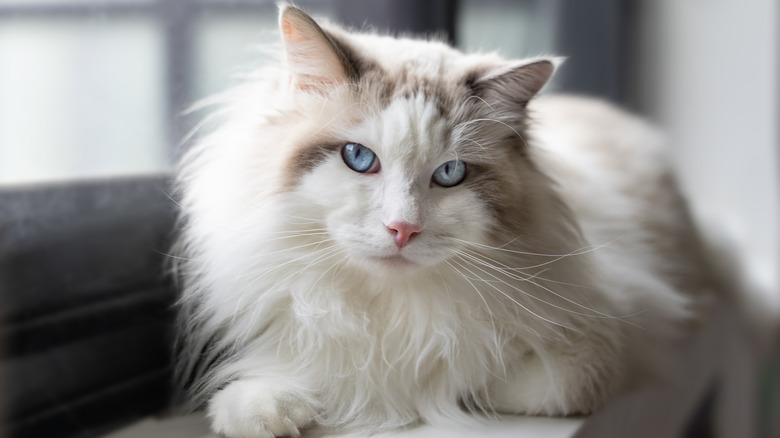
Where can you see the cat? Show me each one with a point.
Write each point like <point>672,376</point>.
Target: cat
<point>386,231</point>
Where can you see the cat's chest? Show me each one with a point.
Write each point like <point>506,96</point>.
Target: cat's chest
<point>411,337</point>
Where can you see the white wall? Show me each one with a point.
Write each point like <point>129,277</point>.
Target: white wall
<point>707,71</point>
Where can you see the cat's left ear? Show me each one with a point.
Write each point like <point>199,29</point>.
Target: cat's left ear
<point>315,60</point>
<point>514,86</point>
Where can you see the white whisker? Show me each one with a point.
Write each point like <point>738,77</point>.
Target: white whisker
<point>598,314</point>
<point>520,304</point>
<point>583,250</point>
<point>461,126</point>
<point>489,312</point>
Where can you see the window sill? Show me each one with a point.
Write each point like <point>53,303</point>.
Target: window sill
<point>196,426</point>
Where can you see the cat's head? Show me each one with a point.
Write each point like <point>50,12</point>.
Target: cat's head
<point>404,149</point>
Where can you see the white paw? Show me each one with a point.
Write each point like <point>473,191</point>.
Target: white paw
<point>258,409</point>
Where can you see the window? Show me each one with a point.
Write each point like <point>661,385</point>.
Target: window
<point>97,88</point>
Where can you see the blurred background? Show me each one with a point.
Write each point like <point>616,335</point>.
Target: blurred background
<point>92,94</point>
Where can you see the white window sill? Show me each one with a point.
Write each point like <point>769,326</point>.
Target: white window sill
<point>196,426</point>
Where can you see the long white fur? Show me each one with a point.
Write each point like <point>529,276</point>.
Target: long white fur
<point>283,290</point>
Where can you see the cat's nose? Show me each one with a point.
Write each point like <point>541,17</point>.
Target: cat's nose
<point>403,232</point>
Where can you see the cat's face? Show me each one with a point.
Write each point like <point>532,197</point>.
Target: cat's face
<point>398,192</point>
<point>406,157</point>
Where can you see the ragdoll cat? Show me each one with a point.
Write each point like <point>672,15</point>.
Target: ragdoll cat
<point>383,232</point>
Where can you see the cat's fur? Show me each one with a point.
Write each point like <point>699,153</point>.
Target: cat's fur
<point>523,291</point>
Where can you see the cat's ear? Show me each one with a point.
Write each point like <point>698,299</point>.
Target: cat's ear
<point>315,60</point>
<point>515,85</point>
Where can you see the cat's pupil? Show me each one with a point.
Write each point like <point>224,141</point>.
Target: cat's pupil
<point>450,173</point>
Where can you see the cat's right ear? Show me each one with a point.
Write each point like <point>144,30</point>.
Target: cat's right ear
<point>315,60</point>
<point>511,88</point>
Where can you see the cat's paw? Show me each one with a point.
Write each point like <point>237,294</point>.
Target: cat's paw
<point>258,409</point>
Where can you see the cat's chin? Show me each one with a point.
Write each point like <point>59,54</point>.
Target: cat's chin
<point>392,263</point>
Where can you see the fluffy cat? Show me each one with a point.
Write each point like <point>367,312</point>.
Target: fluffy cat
<point>387,231</point>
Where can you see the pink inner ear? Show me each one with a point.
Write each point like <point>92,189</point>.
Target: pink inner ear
<point>290,32</point>
<point>316,63</point>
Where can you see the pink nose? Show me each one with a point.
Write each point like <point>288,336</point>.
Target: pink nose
<point>403,232</point>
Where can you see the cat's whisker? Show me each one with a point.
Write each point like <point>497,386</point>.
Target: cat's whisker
<point>460,127</point>
<point>489,312</point>
<point>507,271</point>
<point>504,321</point>
<point>330,255</point>
<point>341,265</point>
<point>580,251</point>
<point>285,213</point>
<point>173,257</point>
<point>247,289</point>
<point>474,96</point>
<point>321,259</point>
<point>538,276</point>
<point>316,252</point>
<point>598,314</point>
<point>293,248</point>
<point>298,235</point>
<point>308,226</point>
<point>557,257</point>
<point>476,143</point>
<point>509,297</point>
<point>301,235</point>
<point>321,255</point>
<point>295,230</point>
<point>466,257</point>
<point>170,197</point>
<point>302,219</point>
<point>517,274</point>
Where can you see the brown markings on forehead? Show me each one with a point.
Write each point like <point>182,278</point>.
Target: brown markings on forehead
<point>445,93</point>
<point>304,159</point>
<point>384,84</point>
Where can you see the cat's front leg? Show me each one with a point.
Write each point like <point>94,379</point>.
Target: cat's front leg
<point>559,384</point>
<point>260,408</point>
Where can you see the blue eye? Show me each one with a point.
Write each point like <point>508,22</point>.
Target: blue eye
<point>450,173</point>
<point>359,158</point>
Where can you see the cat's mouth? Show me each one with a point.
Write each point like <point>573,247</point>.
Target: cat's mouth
<point>394,261</point>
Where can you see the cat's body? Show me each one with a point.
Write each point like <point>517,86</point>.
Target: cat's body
<point>333,275</point>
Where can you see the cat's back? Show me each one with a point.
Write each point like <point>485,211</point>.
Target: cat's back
<point>603,159</point>
<point>591,135</point>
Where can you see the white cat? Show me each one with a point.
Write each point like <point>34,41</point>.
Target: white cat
<point>387,231</point>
